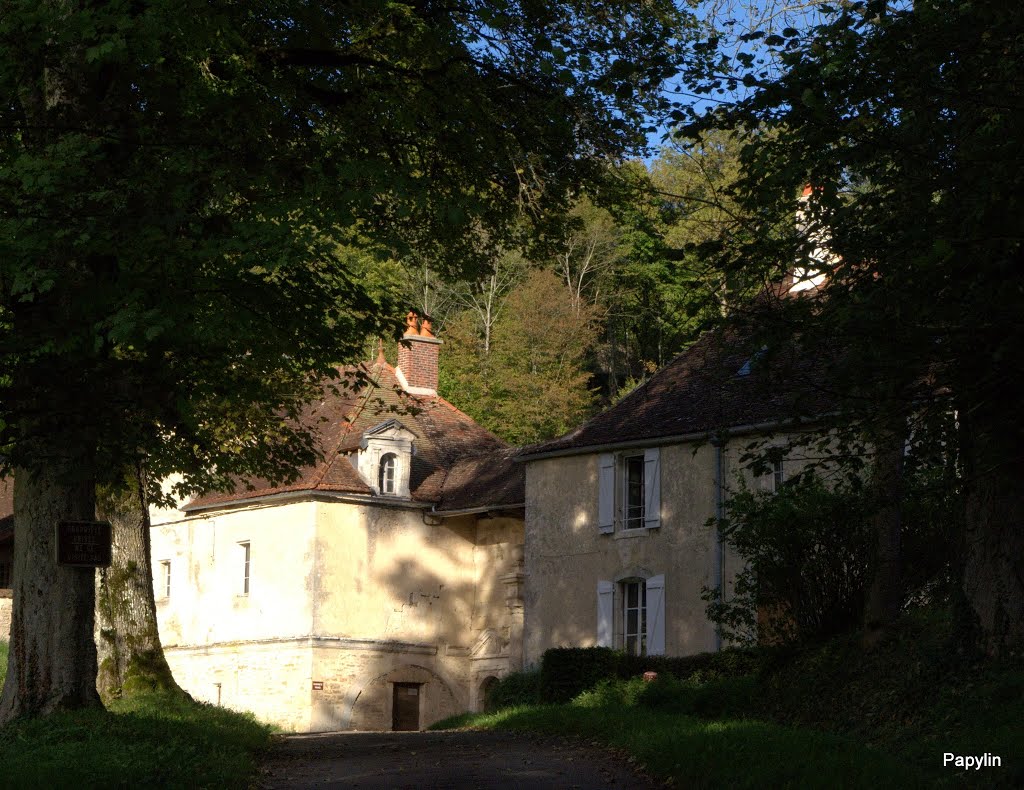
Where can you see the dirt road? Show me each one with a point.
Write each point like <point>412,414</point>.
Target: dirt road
<point>414,760</point>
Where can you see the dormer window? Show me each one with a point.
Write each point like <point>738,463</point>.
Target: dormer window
<point>386,473</point>
<point>385,458</point>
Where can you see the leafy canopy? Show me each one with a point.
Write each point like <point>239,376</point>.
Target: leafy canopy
<point>191,195</point>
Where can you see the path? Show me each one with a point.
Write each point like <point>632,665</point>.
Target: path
<point>450,760</point>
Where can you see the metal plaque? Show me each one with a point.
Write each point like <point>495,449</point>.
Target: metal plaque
<point>318,685</point>
<point>83,544</point>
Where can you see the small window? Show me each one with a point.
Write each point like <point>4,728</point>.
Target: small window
<point>633,493</point>
<point>386,473</point>
<point>245,557</point>
<point>778,474</point>
<point>165,578</point>
<point>634,617</point>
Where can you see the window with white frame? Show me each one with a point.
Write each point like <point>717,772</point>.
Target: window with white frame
<point>244,557</point>
<point>633,491</point>
<point>778,474</point>
<point>386,473</point>
<point>629,495</point>
<point>164,582</point>
<point>634,616</point>
<point>631,614</point>
<point>384,459</point>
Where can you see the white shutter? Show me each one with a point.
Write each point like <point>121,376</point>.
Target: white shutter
<point>656,616</point>
<point>606,493</point>
<point>605,613</point>
<point>652,487</point>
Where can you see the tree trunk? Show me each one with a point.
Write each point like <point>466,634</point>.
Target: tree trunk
<point>52,661</point>
<point>131,658</point>
<point>993,548</point>
<point>885,594</point>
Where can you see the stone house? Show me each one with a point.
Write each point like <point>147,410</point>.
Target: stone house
<point>6,554</point>
<point>380,590</point>
<point>618,542</point>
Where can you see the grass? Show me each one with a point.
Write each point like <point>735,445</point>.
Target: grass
<point>149,740</point>
<point>834,714</point>
<point>913,696</point>
<point>698,753</point>
<point>3,662</point>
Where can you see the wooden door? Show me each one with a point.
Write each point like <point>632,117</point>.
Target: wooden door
<point>405,710</point>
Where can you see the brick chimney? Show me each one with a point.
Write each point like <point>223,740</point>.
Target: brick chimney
<point>417,356</point>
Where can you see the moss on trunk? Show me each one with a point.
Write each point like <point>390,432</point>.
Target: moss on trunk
<point>131,658</point>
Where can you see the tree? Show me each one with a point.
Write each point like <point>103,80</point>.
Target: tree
<point>178,182</point>
<point>531,382</point>
<point>130,657</point>
<point>899,116</point>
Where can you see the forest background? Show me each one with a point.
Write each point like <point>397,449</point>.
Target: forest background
<point>542,343</point>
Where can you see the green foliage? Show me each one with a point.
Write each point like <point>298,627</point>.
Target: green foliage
<point>526,379</point>
<point>732,662</point>
<point>517,688</point>
<point>567,671</point>
<point>4,649</point>
<point>151,740</point>
<point>916,694</point>
<point>184,236</point>
<point>806,549</point>
<point>914,211</point>
<point>611,693</point>
<point>864,717</point>
<point>707,754</point>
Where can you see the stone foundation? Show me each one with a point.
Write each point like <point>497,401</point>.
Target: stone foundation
<point>315,684</point>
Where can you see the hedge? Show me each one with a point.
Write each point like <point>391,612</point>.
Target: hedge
<point>566,672</point>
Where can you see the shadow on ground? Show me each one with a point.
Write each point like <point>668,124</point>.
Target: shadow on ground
<point>442,760</point>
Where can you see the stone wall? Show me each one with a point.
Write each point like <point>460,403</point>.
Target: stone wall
<point>5,614</point>
<point>345,599</point>
<point>567,555</point>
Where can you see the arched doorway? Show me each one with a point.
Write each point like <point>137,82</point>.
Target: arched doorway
<point>486,685</point>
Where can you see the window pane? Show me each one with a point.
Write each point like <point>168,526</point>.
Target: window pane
<point>631,621</point>
<point>386,473</point>
<point>634,504</point>
<point>631,646</point>
<point>631,592</point>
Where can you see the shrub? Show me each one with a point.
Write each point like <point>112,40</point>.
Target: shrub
<point>806,548</point>
<point>732,662</point>
<point>613,693</point>
<point>567,671</point>
<point>3,662</point>
<point>519,688</point>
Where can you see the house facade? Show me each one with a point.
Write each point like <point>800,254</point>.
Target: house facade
<point>381,590</point>
<point>6,554</point>
<point>620,535</point>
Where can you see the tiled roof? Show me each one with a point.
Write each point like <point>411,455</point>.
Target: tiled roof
<point>716,384</point>
<point>490,480</point>
<point>445,437</point>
